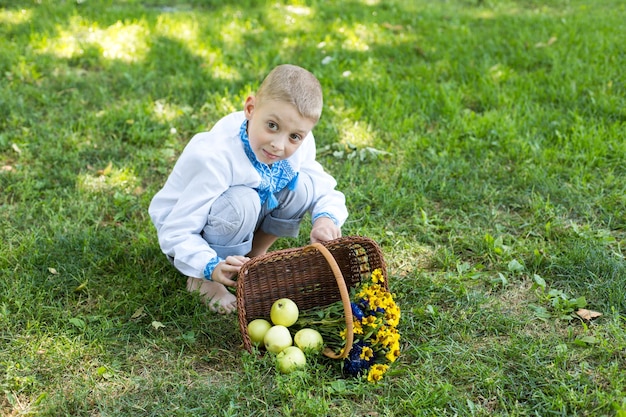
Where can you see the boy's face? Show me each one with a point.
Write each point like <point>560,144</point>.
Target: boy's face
<point>275,129</point>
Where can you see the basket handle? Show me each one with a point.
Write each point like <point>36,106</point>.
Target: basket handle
<point>345,299</point>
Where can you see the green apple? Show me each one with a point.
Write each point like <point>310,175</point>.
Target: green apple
<point>277,338</point>
<point>284,312</point>
<point>290,359</point>
<point>309,340</point>
<point>257,329</point>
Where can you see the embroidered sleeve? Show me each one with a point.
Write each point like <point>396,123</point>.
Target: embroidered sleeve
<point>325,214</point>
<point>208,270</point>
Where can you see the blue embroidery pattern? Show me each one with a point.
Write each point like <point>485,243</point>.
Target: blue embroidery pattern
<point>208,270</point>
<point>326,214</point>
<point>273,179</point>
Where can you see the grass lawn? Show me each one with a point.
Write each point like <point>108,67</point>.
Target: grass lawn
<point>481,143</point>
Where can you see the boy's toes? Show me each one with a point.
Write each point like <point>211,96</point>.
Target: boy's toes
<point>223,306</point>
<point>216,296</point>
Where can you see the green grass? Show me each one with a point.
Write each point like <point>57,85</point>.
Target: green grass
<point>499,202</point>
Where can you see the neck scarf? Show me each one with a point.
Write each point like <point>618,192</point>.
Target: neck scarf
<point>273,178</point>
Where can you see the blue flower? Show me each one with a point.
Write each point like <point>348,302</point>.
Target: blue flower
<point>354,365</point>
<point>367,310</point>
<point>356,311</point>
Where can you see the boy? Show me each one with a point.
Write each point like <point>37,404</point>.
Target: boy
<point>249,180</point>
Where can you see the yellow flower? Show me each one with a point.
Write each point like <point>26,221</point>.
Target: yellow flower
<point>357,328</point>
<point>370,321</point>
<point>387,336</point>
<point>392,315</point>
<point>367,353</point>
<point>376,372</point>
<point>377,276</point>
<point>393,353</point>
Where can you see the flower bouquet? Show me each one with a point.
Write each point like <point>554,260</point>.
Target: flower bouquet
<point>375,317</point>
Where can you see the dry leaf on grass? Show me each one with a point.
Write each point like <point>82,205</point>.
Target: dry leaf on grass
<point>395,28</point>
<point>588,315</point>
<point>543,45</point>
<point>138,313</point>
<point>157,324</point>
<point>106,171</point>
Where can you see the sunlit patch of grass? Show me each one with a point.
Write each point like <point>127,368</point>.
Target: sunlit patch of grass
<point>126,42</point>
<point>25,71</point>
<point>299,10</point>
<point>15,17</point>
<point>290,18</point>
<point>505,9</point>
<point>357,37</point>
<point>179,26</point>
<point>232,33</point>
<point>221,71</point>
<point>167,112</point>
<point>404,257</point>
<point>186,29</point>
<point>109,179</point>
<point>356,132</point>
<point>121,41</point>
<point>353,37</point>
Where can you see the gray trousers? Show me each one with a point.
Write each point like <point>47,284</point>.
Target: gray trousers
<point>237,214</point>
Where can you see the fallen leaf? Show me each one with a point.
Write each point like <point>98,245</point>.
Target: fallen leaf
<point>157,324</point>
<point>396,28</point>
<point>106,171</point>
<point>138,313</point>
<point>53,271</point>
<point>16,149</point>
<point>588,315</point>
<point>543,45</point>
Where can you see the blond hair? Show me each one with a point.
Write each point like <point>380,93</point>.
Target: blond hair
<point>296,86</point>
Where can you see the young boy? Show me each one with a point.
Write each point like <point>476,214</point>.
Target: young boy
<point>249,180</point>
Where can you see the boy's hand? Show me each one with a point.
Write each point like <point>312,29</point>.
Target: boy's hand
<point>225,271</point>
<point>324,229</point>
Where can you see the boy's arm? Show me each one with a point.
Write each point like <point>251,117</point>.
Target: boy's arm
<point>179,236</point>
<point>185,201</point>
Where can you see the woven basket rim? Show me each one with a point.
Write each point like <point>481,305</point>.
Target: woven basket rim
<point>287,256</point>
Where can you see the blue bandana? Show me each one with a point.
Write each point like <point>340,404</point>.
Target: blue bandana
<point>273,178</point>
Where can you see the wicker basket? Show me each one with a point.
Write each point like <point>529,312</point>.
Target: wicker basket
<point>312,276</point>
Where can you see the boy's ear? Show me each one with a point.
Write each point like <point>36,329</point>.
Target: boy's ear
<point>248,107</point>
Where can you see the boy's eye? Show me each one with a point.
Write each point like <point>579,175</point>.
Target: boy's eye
<point>295,137</point>
<point>272,126</point>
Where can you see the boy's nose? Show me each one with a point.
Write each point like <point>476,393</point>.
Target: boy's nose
<point>278,143</point>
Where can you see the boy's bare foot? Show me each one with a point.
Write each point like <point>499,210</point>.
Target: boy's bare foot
<point>214,295</point>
